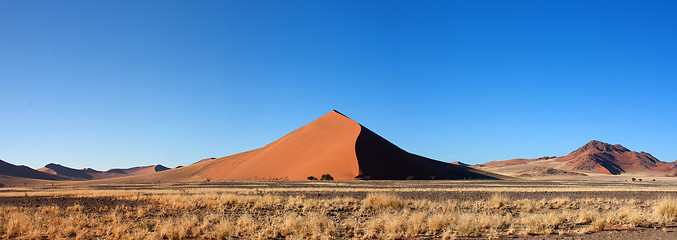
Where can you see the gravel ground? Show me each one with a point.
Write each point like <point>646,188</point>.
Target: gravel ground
<point>433,190</point>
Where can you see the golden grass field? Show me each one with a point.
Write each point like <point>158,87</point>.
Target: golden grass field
<point>335,210</point>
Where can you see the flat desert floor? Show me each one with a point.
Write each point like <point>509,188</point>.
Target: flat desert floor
<point>468,209</point>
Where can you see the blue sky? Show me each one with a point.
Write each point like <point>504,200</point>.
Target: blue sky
<point>123,83</point>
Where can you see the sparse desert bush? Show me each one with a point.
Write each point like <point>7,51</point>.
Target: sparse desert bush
<point>74,208</point>
<point>585,217</point>
<point>438,222</point>
<point>311,178</point>
<point>326,177</point>
<point>498,201</point>
<point>665,210</point>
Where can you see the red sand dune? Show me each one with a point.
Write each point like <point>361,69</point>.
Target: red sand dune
<point>511,162</point>
<point>460,163</point>
<point>91,174</point>
<point>600,157</point>
<point>139,170</point>
<point>9,169</point>
<point>333,144</point>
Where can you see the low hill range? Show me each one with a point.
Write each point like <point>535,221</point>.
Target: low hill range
<point>92,174</point>
<point>595,157</point>
<point>11,174</point>
<point>18,175</point>
<point>11,170</point>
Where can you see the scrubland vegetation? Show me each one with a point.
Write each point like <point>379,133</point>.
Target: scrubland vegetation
<point>205,214</point>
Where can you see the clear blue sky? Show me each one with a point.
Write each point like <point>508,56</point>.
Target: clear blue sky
<point>122,83</point>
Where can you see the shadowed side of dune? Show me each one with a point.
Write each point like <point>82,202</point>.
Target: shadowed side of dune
<point>379,159</point>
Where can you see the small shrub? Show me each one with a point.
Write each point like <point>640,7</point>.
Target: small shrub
<point>312,178</point>
<point>75,208</point>
<point>327,177</point>
<point>634,179</point>
<point>411,177</point>
<point>147,225</point>
<point>498,201</point>
<point>597,225</point>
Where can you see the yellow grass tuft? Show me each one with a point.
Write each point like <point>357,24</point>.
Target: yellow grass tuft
<point>378,201</point>
<point>498,201</point>
<point>666,209</point>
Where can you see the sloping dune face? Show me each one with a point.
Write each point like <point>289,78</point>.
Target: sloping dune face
<point>324,146</point>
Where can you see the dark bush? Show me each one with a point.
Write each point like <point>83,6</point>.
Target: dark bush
<point>312,178</point>
<point>327,177</point>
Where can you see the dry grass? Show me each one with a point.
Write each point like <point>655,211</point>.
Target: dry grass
<point>209,214</point>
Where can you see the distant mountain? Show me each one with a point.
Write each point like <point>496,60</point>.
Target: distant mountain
<point>9,169</point>
<point>139,170</point>
<point>92,174</point>
<point>593,157</point>
<point>460,163</point>
<point>511,162</point>
<point>600,157</point>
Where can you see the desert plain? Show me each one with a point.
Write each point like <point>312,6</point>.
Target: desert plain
<point>416,209</point>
